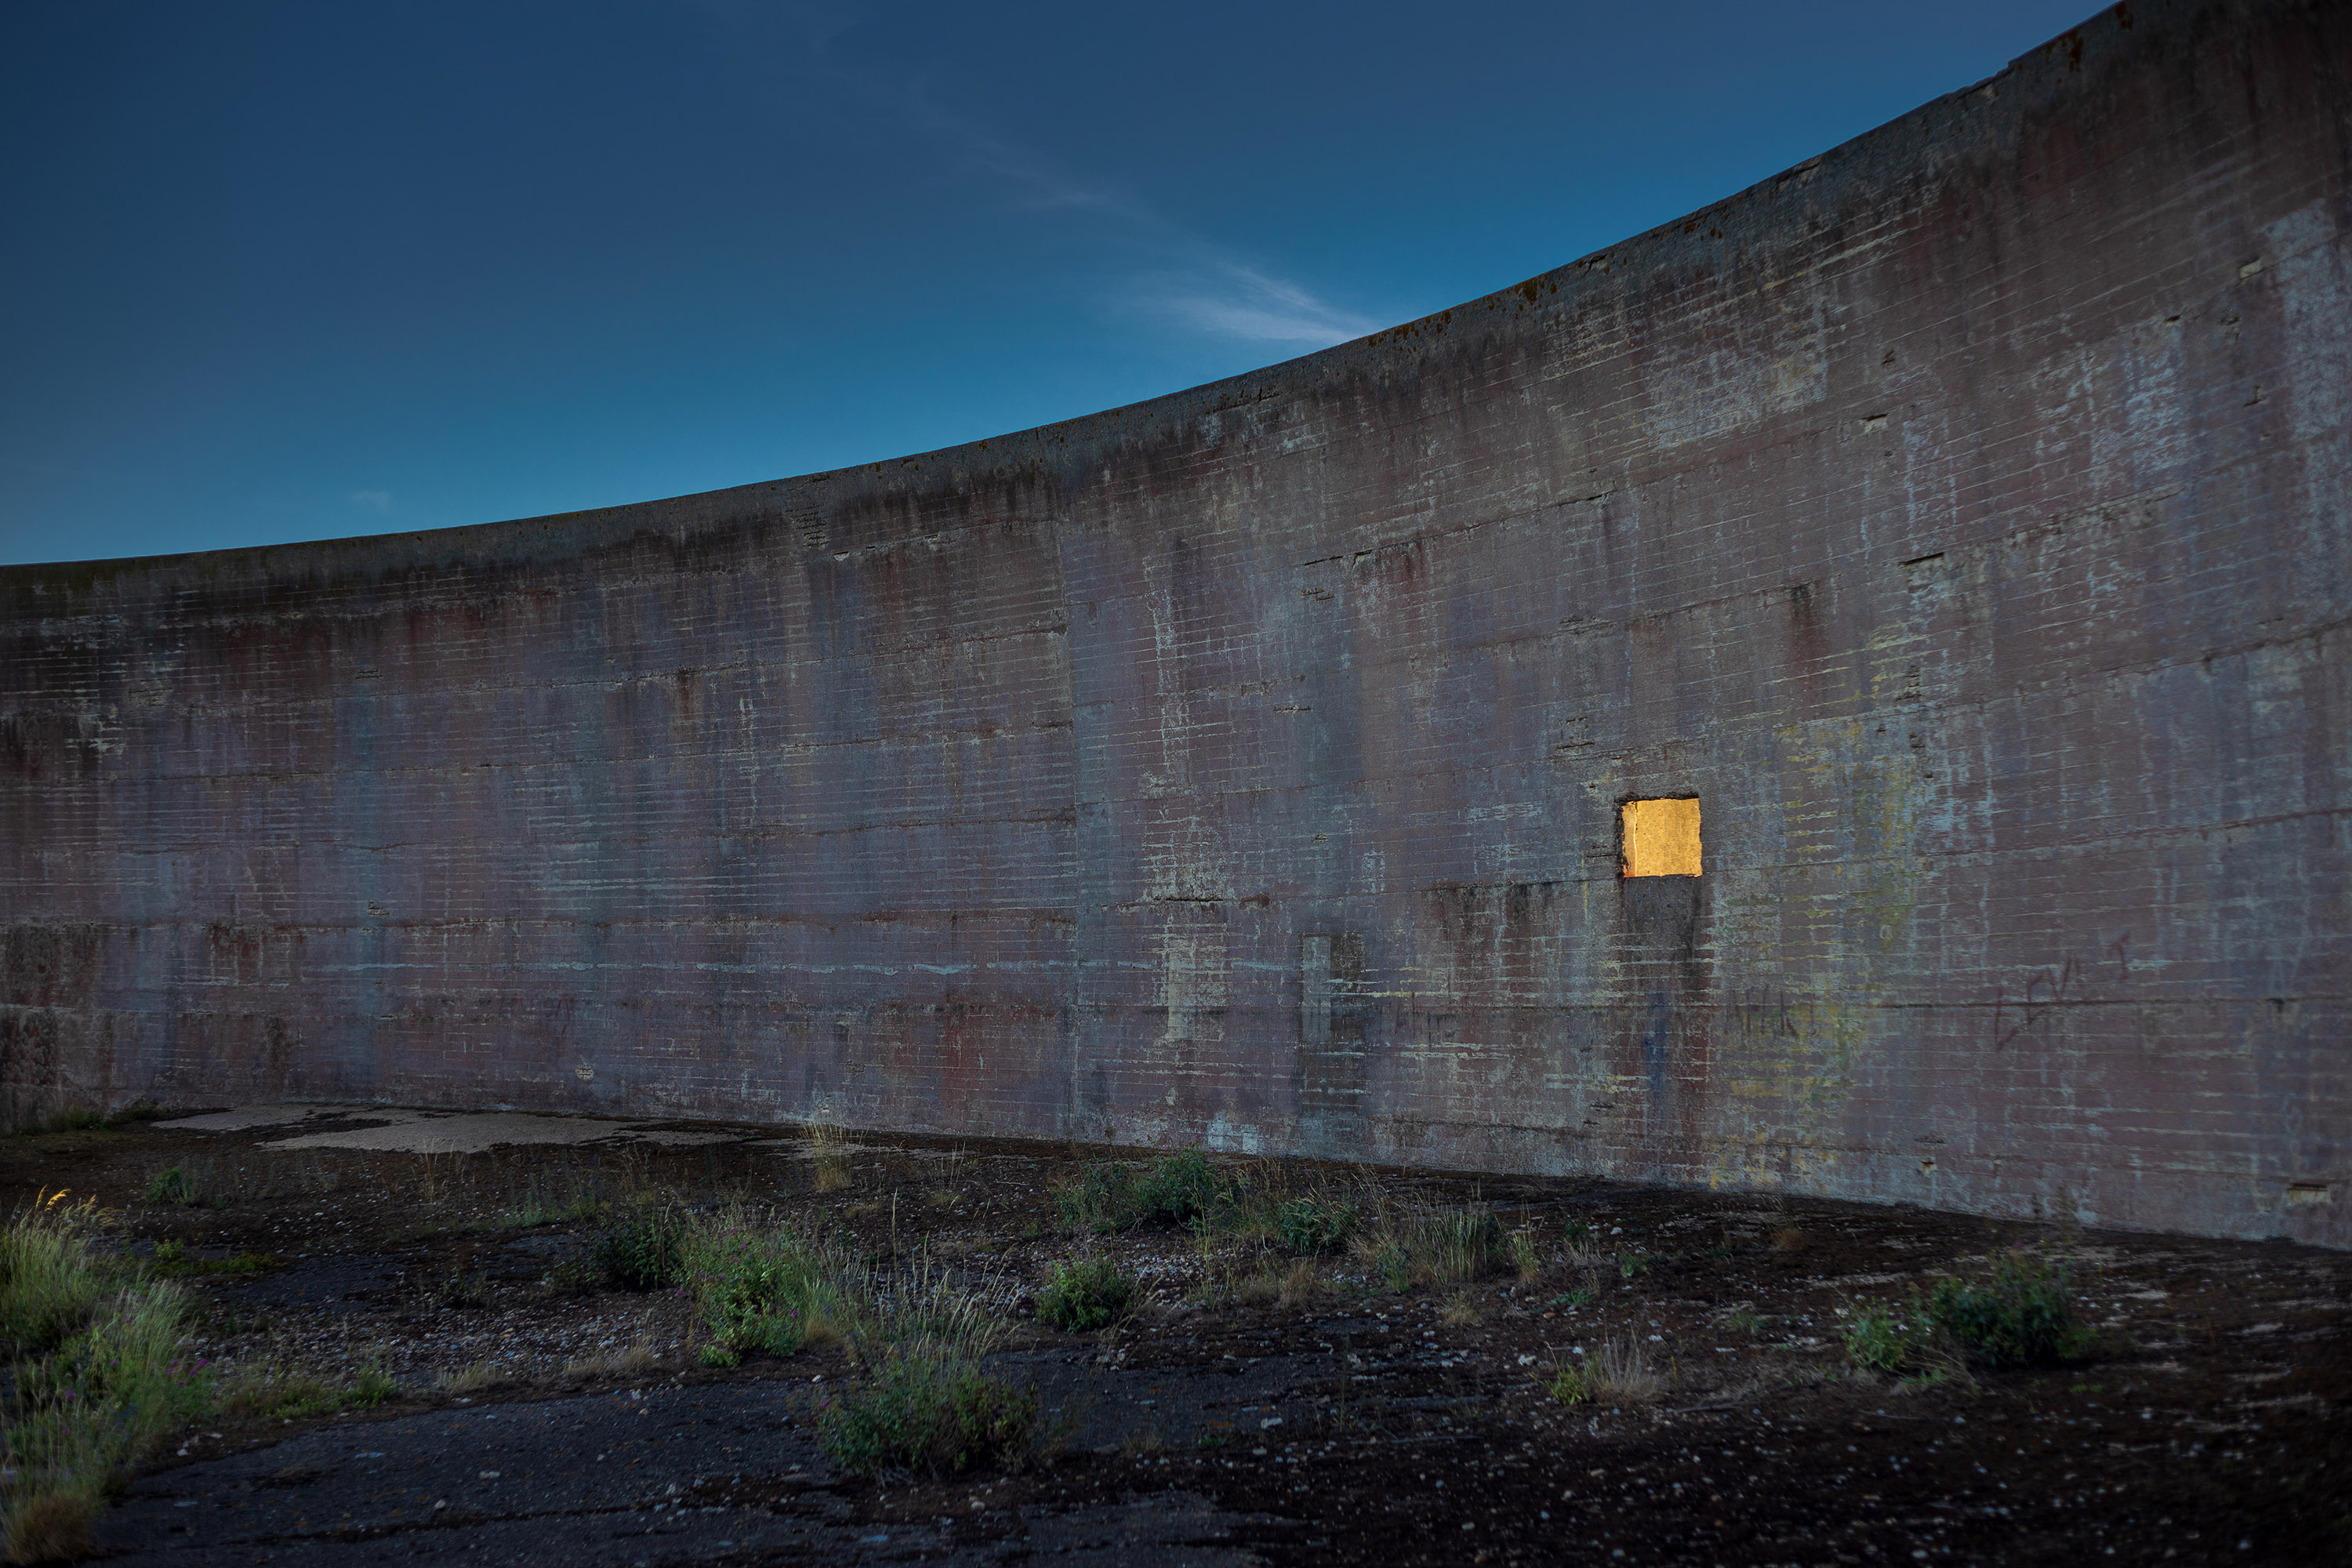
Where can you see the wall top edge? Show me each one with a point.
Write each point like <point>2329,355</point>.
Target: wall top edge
<point>1753,224</point>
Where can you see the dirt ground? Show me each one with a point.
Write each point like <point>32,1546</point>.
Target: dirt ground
<point>1239,1417</point>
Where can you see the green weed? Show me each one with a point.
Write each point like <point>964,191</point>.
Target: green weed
<point>173,1184</point>
<point>642,1248</point>
<point>1085,1294</point>
<point>1888,1337</point>
<point>1102,1200</point>
<point>373,1386</point>
<point>1312,1224</point>
<point>462,1291</point>
<point>173,1257</point>
<point>278,1393</point>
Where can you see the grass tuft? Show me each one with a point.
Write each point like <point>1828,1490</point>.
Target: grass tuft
<point>762,1285</point>
<point>628,1361</point>
<point>1411,1246</point>
<point>472,1379</point>
<point>50,1524</point>
<point>106,1374</point>
<point>826,1148</point>
<point>173,1184</point>
<point>928,1415</point>
<point>1619,1374</point>
<point>49,1281</point>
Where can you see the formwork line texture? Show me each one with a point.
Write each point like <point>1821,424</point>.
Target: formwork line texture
<point>1961,518</point>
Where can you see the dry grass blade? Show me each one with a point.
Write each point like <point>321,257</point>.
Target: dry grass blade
<point>1619,1374</point>
<point>473,1379</point>
<point>625,1363</point>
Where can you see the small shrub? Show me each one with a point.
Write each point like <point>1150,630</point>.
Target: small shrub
<point>1181,1187</point>
<point>1308,1226</point>
<point>1570,1300</point>
<point>75,1119</point>
<point>1632,1265</point>
<point>1434,1249</point>
<point>1460,1313</point>
<point>141,1109</point>
<point>717,1355</point>
<point>642,1249</point>
<point>1102,1200</point>
<point>545,1206</point>
<point>1744,1321</point>
<point>1299,1285</point>
<point>1085,1294</point>
<point>928,1415</point>
<point>575,1276</point>
<point>1789,1238</point>
<point>1524,1262</point>
<point>2021,1313</point>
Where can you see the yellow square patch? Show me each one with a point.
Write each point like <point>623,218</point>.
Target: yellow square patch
<point>1662,838</point>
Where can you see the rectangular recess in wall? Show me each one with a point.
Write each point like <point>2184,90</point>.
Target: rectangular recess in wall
<point>1660,837</point>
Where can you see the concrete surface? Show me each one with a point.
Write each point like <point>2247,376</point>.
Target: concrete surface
<point>1961,516</point>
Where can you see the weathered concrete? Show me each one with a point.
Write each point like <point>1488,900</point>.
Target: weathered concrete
<point>1962,517</point>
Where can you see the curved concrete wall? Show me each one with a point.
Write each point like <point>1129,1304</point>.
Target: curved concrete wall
<point>1961,516</point>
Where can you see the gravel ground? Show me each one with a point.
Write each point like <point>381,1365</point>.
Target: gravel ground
<point>1330,1421</point>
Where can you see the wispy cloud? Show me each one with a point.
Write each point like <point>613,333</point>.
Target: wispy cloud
<point>374,500</point>
<point>1192,279</point>
<point>1242,303</point>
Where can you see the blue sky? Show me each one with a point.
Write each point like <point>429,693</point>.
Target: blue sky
<point>274,272</point>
